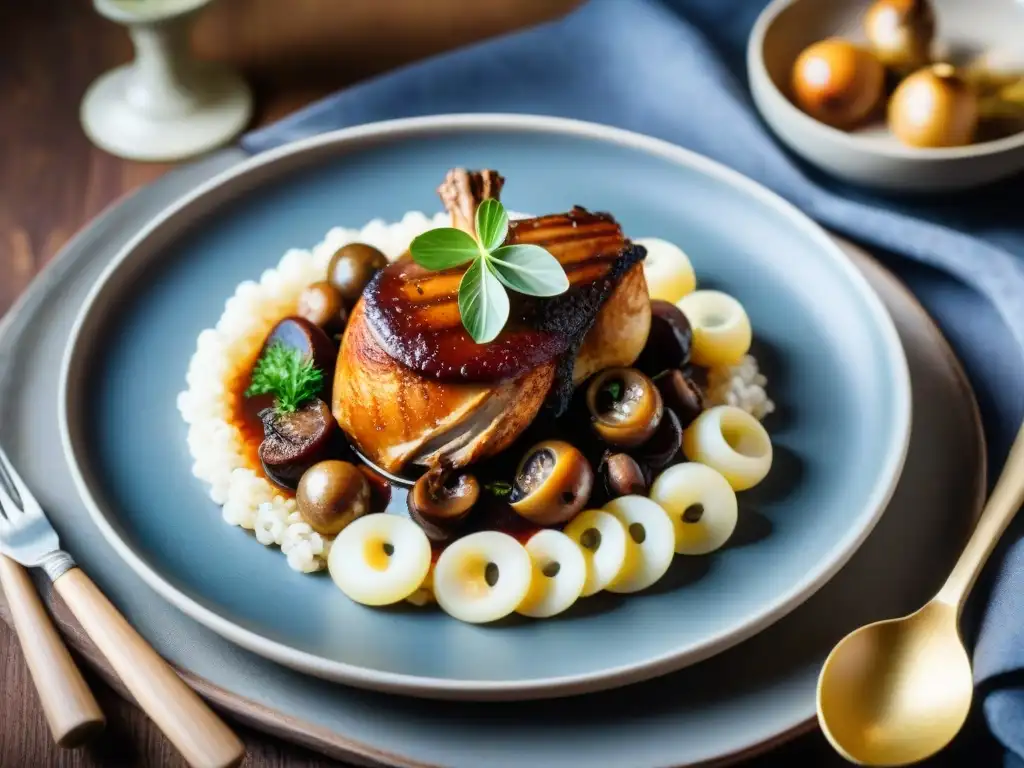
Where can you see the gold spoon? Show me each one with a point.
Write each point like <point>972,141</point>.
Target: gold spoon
<point>897,691</point>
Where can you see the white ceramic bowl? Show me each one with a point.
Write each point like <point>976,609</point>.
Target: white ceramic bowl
<point>871,156</point>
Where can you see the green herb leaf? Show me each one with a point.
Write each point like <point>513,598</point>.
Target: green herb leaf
<point>614,390</point>
<point>444,248</point>
<point>483,303</point>
<point>491,224</point>
<point>288,375</point>
<point>529,269</point>
<point>499,488</point>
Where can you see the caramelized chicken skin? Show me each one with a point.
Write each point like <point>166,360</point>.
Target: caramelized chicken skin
<point>395,416</point>
<point>411,386</point>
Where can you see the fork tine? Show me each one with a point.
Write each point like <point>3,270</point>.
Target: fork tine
<point>13,492</point>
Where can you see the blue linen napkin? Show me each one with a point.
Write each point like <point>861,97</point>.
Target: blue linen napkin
<point>675,70</point>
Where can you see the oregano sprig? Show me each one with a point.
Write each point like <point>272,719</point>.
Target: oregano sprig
<point>493,267</point>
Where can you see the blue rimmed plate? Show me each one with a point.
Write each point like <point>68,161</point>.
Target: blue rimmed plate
<point>835,365</point>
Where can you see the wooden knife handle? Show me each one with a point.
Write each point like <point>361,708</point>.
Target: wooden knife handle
<point>203,739</point>
<point>70,708</point>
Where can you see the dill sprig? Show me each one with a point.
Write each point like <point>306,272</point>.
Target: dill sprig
<point>288,375</point>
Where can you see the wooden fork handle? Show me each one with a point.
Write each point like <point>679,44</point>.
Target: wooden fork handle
<point>70,708</point>
<point>203,739</point>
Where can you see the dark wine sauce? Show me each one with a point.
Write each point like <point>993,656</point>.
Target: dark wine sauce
<point>245,417</point>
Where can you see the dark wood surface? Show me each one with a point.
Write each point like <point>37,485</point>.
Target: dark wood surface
<point>52,182</point>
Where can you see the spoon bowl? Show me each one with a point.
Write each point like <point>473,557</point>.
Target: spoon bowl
<point>897,691</point>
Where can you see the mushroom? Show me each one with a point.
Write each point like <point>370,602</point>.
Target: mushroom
<point>664,443</point>
<point>901,33</point>
<point>352,267</point>
<point>440,500</point>
<point>553,483</point>
<point>322,305</point>
<point>625,406</point>
<point>294,441</point>
<point>623,476</point>
<point>681,395</point>
<point>331,494</point>
<point>300,334</point>
<point>668,341</point>
<point>839,83</point>
<point>934,107</point>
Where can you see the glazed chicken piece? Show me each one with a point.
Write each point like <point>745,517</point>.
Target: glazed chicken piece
<point>412,387</point>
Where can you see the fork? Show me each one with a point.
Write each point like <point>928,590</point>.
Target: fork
<point>27,537</point>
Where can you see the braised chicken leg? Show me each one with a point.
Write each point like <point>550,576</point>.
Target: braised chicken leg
<point>412,387</point>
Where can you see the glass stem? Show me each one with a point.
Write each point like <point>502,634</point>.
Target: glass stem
<point>162,82</point>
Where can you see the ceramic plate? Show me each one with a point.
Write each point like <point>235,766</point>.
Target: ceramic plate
<point>741,701</point>
<point>831,352</point>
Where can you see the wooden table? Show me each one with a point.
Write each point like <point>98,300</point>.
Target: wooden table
<point>52,182</point>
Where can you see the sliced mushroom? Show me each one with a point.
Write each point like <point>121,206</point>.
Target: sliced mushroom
<point>625,406</point>
<point>553,483</point>
<point>293,442</point>
<point>440,501</point>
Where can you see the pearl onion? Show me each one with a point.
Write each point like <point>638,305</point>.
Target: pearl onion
<point>602,540</point>
<point>461,577</point>
<point>721,328</point>
<point>701,505</point>
<point>668,270</point>
<point>559,573</point>
<point>730,440</point>
<point>650,538</point>
<point>361,567</point>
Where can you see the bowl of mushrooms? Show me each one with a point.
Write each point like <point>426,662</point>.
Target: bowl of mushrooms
<point>921,96</point>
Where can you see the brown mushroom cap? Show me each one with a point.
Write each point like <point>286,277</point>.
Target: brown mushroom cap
<point>664,444</point>
<point>311,341</point>
<point>668,341</point>
<point>352,267</point>
<point>553,483</point>
<point>331,494</point>
<point>321,304</point>
<point>440,500</point>
<point>623,476</point>
<point>682,395</point>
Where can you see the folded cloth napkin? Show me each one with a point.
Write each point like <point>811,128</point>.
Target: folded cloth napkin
<point>675,70</point>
